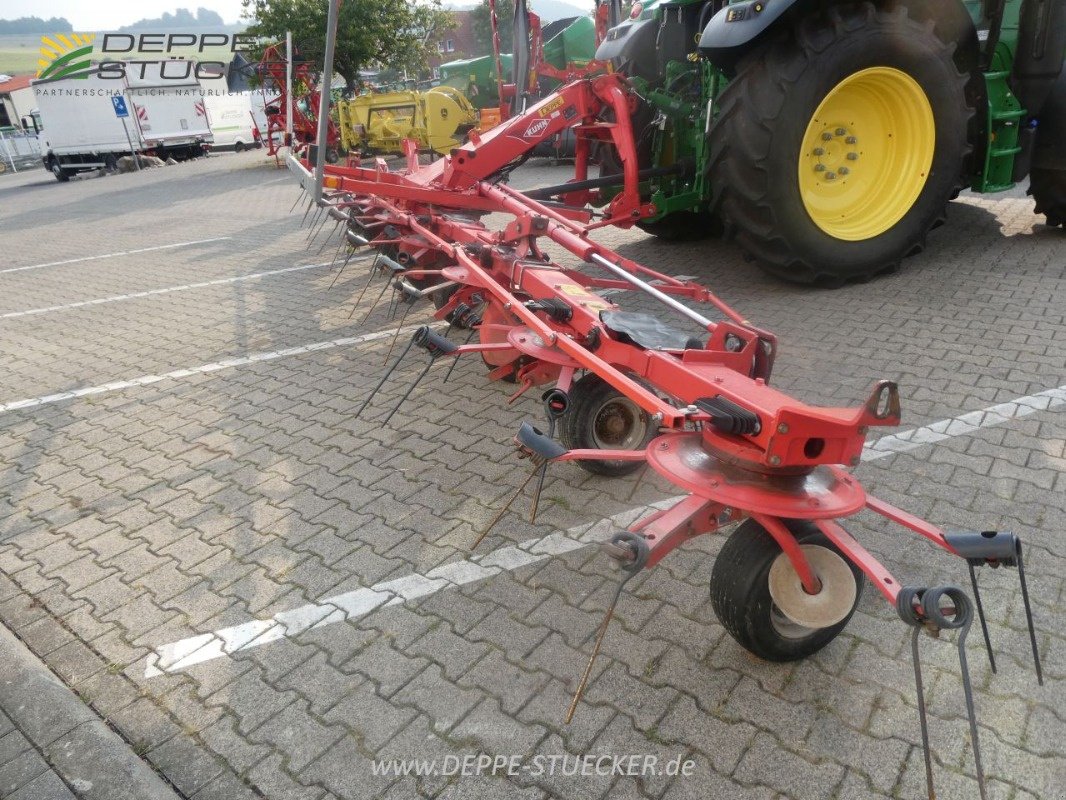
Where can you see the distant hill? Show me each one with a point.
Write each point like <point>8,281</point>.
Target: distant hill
<point>34,25</point>
<point>181,18</point>
<point>547,10</point>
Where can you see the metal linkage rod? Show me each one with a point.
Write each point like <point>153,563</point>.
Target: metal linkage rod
<point>650,290</point>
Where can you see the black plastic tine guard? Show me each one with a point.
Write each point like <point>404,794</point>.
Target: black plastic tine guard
<point>534,441</point>
<point>995,549</point>
<point>923,609</point>
<point>434,344</point>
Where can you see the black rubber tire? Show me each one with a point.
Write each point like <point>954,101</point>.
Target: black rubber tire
<point>589,397</point>
<point>110,163</point>
<point>61,174</point>
<point>740,593</point>
<point>238,147</point>
<point>1047,177</point>
<point>756,139</point>
<point>1048,188</point>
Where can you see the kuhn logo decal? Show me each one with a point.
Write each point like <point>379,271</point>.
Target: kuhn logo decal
<point>535,129</point>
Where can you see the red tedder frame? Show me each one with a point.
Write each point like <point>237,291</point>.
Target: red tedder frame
<point>737,447</point>
<point>796,447</point>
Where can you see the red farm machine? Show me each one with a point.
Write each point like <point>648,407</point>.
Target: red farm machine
<point>691,398</point>
<point>302,104</point>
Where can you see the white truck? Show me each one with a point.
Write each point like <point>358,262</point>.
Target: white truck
<point>78,130</point>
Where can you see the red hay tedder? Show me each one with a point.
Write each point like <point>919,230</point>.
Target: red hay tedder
<point>625,390</point>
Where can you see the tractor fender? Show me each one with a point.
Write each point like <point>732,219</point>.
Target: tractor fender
<point>631,45</point>
<point>739,28</point>
<point>1050,150</point>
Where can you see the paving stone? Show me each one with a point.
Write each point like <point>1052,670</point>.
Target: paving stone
<point>47,786</point>
<point>298,734</point>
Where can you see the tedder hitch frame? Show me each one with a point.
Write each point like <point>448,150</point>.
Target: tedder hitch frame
<point>738,448</point>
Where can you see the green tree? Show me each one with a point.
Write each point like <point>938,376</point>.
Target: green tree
<point>483,26</point>
<point>370,33</point>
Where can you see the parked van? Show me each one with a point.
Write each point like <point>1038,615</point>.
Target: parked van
<point>230,118</point>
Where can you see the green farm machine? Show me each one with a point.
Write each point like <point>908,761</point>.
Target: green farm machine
<point>828,137</point>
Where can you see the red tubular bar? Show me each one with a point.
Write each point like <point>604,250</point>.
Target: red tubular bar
<point>908,520</point>
<point>787,542</point>
<point>880,577</point>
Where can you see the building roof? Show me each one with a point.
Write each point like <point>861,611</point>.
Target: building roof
<point>13,84</point>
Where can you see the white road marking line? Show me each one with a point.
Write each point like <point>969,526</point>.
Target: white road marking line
<point>168,290</point>
<point>214,366</point>
<point>114,255</point>
<point>360,602</point>
<point>194,650</point>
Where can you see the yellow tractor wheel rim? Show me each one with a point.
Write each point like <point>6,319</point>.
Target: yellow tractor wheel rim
<point>867,153</point>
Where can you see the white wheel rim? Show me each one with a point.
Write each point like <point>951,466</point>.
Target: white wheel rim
<point>812,611</point>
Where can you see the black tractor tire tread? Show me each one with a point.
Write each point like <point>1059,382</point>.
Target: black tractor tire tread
<point>1048,188</point>
<point>742,134</point>
<point>740,597</point>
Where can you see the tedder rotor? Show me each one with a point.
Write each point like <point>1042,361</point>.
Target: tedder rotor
<point>626,390</point>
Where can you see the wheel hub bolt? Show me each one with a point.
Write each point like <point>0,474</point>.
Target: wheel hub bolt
<point>830,176</point>
<point>819,151</point>
<point>843,171</point>
<point>827,136</point>
<point>853,156</point>
<point>819,167</point>
<point>851,140</point>
<point>841,131</point>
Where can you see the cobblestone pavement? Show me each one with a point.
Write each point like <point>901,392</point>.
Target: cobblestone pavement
<point>185,463</point>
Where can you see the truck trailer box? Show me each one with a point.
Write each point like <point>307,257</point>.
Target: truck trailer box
<point>78,129</point>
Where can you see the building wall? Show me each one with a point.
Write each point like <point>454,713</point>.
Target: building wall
<point>456,43</point>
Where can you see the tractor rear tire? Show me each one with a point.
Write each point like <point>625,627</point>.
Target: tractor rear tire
<point>1048,188</point>
<point>807,167</point>
<point>1047,177</point>
<point>602,418</point>
<point>741,599</point>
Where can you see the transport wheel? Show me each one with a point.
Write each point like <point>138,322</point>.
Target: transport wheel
<point>602,418</point>
<point>751,570</point>
<point>238,147</point>
<point>838,147</point>
<point>110,163</point>
<point>61,174</point>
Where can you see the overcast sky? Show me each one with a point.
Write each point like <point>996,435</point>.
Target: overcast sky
<point>94,16</point>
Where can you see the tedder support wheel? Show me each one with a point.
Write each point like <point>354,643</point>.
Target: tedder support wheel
<point>751,570</point>
<point>602,418</point>
<point>838,147</point>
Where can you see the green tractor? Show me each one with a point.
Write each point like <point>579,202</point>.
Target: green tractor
<point>828,137</point>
